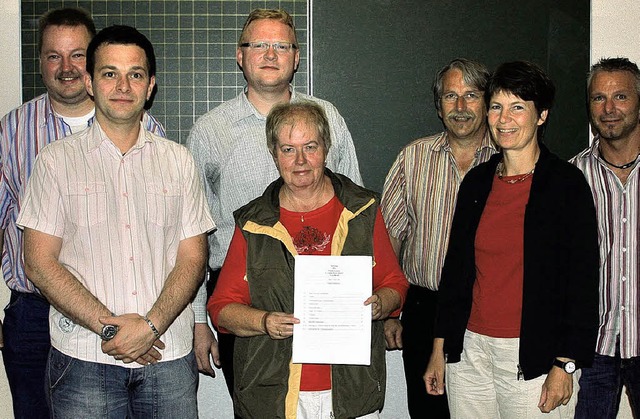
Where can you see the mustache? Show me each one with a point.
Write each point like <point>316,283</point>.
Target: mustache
<point>463,114</point>
<point>73,73</point>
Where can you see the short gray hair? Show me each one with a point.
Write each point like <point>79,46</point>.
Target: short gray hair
<point>292,113</point>
<point>473,73</point>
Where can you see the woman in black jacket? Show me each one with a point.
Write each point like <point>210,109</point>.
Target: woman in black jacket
<point>518,309</point>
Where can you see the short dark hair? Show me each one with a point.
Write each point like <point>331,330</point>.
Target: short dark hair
<point>120,35</point>
<point>615,64</point>
<point>290,113</point>
<point>525,80</point>
<point>273,14</point>
<point>68,16</point>
<point>474,74</point>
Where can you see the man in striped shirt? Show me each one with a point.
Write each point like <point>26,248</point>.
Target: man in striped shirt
<point>66,108</point>
<point>418,201</point>
<point>611,167</point>
<point>115,223</point>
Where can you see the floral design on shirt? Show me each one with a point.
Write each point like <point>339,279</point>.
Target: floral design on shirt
<point>310,239</point>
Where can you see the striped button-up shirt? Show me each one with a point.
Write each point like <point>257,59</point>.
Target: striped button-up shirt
<point>23,133</point>
<point>121,219</point>
<point>619,235</point>
<point>418,201</point>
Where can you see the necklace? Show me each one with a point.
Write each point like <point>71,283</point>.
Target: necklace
<point>621,167</point>
<point>521,178</point>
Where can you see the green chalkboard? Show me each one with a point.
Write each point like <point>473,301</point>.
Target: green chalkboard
<point>375,60</point>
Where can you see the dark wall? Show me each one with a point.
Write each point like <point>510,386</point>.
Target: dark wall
<point>375,60</point>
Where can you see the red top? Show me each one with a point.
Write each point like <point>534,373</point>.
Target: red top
<point>312,236</point>
<point>496,310</point>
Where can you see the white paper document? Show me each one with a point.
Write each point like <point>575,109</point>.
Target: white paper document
<point>335,325</point>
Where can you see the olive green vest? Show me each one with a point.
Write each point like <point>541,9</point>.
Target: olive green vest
<point>266,382</point>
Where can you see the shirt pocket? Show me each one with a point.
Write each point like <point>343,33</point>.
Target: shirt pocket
<point>163,203</point>
<point>87,203</point>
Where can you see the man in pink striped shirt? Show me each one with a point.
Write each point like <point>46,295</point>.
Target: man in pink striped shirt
<point>418,200</point>
<point>115,223</point>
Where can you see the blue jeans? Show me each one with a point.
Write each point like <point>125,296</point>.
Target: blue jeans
<point>26,347</point>
<point>601,387</point>
<point>164,390</point>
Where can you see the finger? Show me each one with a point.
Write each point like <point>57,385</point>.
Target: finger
<point>159,344</point>
<point>153,353</point>
<point>205,367</point>
<point>545,404</point>
<point>149,359</point>
<point>390,341</point>
<point>399,340</point>
<point>370,300</point>
<point>215,355</point>
<point>109,320</point>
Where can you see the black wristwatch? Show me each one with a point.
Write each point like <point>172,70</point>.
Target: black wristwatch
<point>569,367</point>
<point>108,332</point>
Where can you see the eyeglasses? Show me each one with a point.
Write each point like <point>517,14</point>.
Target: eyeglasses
<point>278,47</point>
<point>468,97</point>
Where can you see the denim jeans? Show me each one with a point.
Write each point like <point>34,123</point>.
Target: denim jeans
<point>165,390</point>
<point>601,387</point>
<point>26,347</point>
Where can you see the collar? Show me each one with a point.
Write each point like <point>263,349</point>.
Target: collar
<point>50,116</point>
<point>247,109</point>
<point>97,136</point>
<point>442,143</point>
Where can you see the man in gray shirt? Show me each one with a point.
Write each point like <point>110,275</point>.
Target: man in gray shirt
<point>229,142</point>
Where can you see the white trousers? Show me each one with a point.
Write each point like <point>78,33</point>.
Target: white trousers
<point>485,384</point>
<point>318,405</point>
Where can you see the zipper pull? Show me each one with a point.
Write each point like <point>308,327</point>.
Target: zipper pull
<point>520,374</point>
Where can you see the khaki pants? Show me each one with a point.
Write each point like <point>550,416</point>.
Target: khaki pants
<point>485,384</point>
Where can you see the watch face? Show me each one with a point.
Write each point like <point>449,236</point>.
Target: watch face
<point>108,332</point>
<point>570,367</point>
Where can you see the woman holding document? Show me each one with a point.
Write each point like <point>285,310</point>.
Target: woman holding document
<point>309,210</point>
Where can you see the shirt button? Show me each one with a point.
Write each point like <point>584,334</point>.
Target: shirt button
<point>125,194</point>
<point>130,258</point>
<point>622,308</point>
<point>624,278</point>
<point>624,249</point>
<point>127,226</point>
<point>134,293</point>
<point>624,220</point>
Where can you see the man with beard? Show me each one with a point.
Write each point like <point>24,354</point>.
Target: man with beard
<point>610,165</point>
<point>418,201</point>
<point>65,108</point>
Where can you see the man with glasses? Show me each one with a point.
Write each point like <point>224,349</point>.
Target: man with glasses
<point>229,143</point>
<point>418,200</point>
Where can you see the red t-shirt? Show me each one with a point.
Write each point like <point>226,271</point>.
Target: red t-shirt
<point>312,236</point>
<point>496,310</point>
